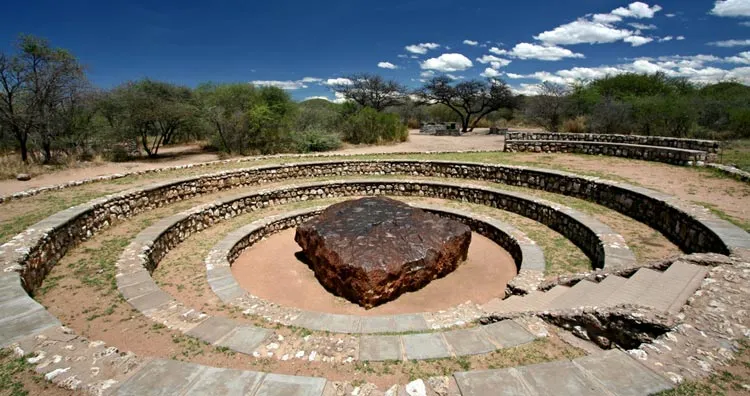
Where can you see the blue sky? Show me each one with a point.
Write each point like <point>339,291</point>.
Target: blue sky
<point>303,45</point>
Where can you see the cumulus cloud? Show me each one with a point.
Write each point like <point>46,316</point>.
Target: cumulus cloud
<point>642,26</point>
<point>730,43</point>
<point>666,38</point>
<point>427,74</point>
<point>680,38</point>
<point>606,18</point>
<point>387,65</point>
<point>637,10</point>
<point>317,97</point>
<point>514,75</point>
<point>536,51</point>
<point>691,67</point>
<point>421,48</point>
<point>526,89</point>
<point>311,80</point>
<point>583,31</point>
<point>288,84</point>
<point>490,73</point>
<point>637,41</point>
<point>471,42</point>
<point>742,58</point>
<point>731,8</point>
<point>447,63</point>
<point>338,81</point>
<point>494,61</point>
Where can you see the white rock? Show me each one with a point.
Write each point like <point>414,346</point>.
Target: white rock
<point>272,346</point>
<point>54,373</point>
<point>312,356</point>
<point>36,359</point>
<point>285,357</point>
<point>416,388</point>
<point>299,354</point>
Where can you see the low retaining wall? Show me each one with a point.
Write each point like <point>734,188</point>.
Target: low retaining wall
<point>691,227</point>
<point>708,146</point>
<point>645,153</point>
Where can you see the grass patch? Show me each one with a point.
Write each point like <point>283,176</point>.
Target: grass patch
<point>745,225</point>
<point>737,152</point>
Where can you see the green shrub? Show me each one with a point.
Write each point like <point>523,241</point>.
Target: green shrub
<point>313,140</point>
<point>371,127</point>
<point>739,122</point>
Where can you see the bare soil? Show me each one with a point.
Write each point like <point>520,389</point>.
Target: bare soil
<point>271,270</point>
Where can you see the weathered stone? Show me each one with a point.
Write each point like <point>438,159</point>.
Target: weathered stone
<point>372,250</point>
<point>23,177</point>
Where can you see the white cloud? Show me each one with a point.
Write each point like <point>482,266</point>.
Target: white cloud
<point>746,23</point>
<point>606,18</point>
<point>731,8</point>
<point>471,42</point>
<point>637,10</point>
<point>402,56</point>
<point>387,65</point>
<point>637,41</point>
<point>514,75</point>
<point>494,61</point>
<point>526,89</point>
<point>666,38</point>
<point>454,77</point>
<point>730,43</point>
<point>446,63</point>
<point>742,58</point>
<point>427,74</point>
<point>421,48</point>
<point>670,15</point>
<point>642,26</point>
<point>680,38</point>
<point>311,80</point>
<point>338,81</point>
<point>288,84</point>
<point>536,51</point>
<point>339,97</point>
<point>490,73</point>
<point>583,31</point>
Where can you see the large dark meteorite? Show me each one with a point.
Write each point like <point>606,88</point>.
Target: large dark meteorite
<point>371,250</point>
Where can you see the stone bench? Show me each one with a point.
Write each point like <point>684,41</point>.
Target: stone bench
<point>669,155</point>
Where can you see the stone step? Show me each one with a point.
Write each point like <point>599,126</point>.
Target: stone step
<point>574,297</point>
<point>544,299</point>
<point>603,290</point>
<point>677,284</point>
<point>609,373</point>
<point>635,288</point>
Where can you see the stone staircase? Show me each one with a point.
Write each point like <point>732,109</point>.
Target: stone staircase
<point>664,291</point>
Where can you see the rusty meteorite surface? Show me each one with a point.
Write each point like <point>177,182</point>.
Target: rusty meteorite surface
<point>372,250</point>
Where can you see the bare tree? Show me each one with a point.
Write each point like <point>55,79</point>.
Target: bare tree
<point>470,100</point>
<point>371,90</point>
<point>33,83</point>
<point>548,106</point>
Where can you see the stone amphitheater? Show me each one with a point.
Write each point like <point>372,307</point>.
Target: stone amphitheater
<point>619,289</point>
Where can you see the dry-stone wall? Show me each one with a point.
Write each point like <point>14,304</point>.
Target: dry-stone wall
<point>709,146</point>
<point>692,228</point>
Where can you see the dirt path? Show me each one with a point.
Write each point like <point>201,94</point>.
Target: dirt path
<point>188,154</point>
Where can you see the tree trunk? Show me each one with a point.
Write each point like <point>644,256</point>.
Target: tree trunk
<point>47,150</point>
<point>24,152</point>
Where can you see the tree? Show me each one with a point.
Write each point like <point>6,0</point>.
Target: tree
<point>548,106</point>
<point>34,83</point>
<point>225,107</point>
<point>150,111</point>
<point>371,90</point>
<point>470,100</point>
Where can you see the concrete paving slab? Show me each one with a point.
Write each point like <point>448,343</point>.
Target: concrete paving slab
<point>622,375</point>
<point>225,382</point>
<point>222,283</point>
<point>425,346</point>
<point>288,385</point>
<point>379,348</point>
<point>213,329</point>
<point>10,287</point>
<point>133,278</point>
<point>138,289</point>
<point>22,326</point>
<point>410,322</point>
<point>378,324</point>
<point>508,333</point>
<point>559,378</point>
<point>328,322</point>
<point>490,383</point>
<point>18,306</point>
<point>230,293</point>
<point>469,341</point>
<point>150,301</point>
<point>160,377</point>
<point>245,339</point>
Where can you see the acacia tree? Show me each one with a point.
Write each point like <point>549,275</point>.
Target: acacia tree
<point>371,90</point>
<point>470,100</point>
<point>548,106</point>
<point>34,83</point>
